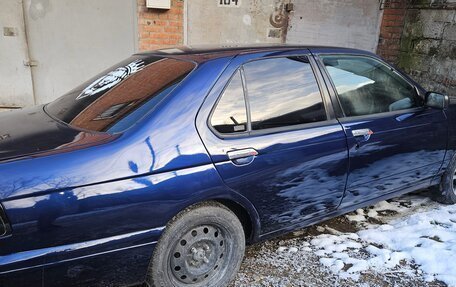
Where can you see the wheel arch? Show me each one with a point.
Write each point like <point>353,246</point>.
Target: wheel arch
<point>241,207</point>
<point>250,222</point>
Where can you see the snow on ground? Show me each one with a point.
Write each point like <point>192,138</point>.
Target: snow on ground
<point>407,241</point>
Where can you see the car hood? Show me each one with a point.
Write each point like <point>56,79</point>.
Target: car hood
<point>31,132</point>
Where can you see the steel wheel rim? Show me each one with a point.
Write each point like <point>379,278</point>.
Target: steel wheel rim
<point>199,255</point>
<point>454,182</point>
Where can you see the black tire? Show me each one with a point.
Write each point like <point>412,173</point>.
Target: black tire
<point>201,246</point>
<point>446,192</point>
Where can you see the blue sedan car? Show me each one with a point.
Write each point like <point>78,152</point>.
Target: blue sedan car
<point>162,168</point>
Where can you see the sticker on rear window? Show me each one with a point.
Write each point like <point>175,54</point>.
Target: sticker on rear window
<point>111,79</point>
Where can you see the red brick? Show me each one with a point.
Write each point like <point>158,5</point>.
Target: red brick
<point>174,16</point>
<point>391,29</point>
<point>171,29</point>
<point>144,35</point>
<point>163,16</point>
<point>394,12</point>
<point>160,28</point>
<point>175,23</point>
<point>152,40</point>
<point>392,23</point>
<point>393,17</point>
<point>176,11</point>
<point>174,36</point>
<point>160,35</point>
<point>153,28</point>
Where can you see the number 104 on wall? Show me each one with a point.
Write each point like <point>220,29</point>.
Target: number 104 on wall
<point>229,3</point>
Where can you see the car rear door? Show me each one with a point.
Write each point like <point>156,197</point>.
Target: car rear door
<point>394,141</point>
<point>273,138</point>
<point>16,268</point>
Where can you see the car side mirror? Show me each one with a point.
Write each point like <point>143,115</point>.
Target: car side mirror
<point>436,100</point>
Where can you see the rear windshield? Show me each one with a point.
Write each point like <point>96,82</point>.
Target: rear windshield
<point>116,99</point>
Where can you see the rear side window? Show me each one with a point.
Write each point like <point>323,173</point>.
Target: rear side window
<point>230,115</point>
<point>283,92</point>
<point>367,86</point>
<point>277,92</point>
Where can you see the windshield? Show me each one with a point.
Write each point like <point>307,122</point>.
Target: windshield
<point>117,98</point>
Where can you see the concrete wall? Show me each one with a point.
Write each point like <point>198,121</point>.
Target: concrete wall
<point>428,45</point>
<point>72,41</point>
<point>15,78</point>
<point>348,23</point>
<point>248,22</point>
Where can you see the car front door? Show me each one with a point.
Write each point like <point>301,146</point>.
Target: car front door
<point>273,141</point>
<point>394,141</point>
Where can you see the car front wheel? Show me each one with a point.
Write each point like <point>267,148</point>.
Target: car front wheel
<point>447,190</point>
<point>202,246</point>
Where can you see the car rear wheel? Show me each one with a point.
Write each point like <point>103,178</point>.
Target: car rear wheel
<point>202,246</point>
<point>447,189</point>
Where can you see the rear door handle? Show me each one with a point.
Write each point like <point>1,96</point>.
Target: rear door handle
<point>242,156</point>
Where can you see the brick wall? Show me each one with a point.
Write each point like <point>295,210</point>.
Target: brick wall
<point>391,29</point>
<point>160,28</point>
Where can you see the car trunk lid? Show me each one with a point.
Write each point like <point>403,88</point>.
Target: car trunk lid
<point>31,131</point>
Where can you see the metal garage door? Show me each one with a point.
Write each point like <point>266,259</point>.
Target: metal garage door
<point>348,23</point>
<point>15,78</point>
<point>68,42</point>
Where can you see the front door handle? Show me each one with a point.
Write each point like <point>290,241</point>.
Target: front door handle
<point>242,156</point>
<point>362,132</point>
<point>362,135</point>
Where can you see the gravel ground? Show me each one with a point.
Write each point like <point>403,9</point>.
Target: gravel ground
<point>298,259</point>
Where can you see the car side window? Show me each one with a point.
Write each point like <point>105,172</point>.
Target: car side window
<point>230,114</point>
<point>367,86</point>
<point>282,92</point>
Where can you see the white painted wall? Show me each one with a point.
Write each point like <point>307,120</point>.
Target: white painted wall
<point>15,78</point>
<point>346,23</point>
<point>73,40</point>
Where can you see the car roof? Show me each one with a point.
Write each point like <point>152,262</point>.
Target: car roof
<point>200,53</point>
